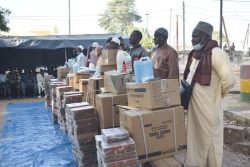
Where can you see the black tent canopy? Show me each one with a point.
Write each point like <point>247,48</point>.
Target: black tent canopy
<point>32,51</point>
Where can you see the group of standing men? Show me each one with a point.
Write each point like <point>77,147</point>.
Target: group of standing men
<point>209,68</point>
<point>22,83</point>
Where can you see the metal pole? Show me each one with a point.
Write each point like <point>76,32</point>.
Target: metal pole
<point>246,37</point>
<point>177,34</point>
<point>147,20</point>
<point>224,25</point>
<point>221,7</point>
<point>170,26</point>
<point>183,26</point>
<point>69,18</point>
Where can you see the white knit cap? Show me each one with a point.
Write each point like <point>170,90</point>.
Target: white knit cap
<point>81,47</point>
<point>116,40</point>
<point>95,44</point>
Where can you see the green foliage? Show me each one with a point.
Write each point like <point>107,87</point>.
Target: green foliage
<point>3,20</point>
<point>119,16</point>
<point>216,36</point>
<point>147,40</point>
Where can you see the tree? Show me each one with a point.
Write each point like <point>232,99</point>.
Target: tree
<point>147,40</point>
<point>3,20</point>
<point>119,16</point>
<point>216,36</point>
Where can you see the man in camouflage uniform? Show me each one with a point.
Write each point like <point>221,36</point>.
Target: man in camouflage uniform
<point>13,82</point>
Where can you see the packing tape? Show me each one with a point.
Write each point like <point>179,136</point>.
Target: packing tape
<point>90,91</point>
<point>143,132</point>
<point>175,146</point>
<point>113,112</point>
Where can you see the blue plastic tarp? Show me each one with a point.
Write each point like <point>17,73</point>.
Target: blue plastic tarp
<point>29,138</point>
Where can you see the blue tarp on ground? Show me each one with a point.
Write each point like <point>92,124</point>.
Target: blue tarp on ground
<point>29,138</point>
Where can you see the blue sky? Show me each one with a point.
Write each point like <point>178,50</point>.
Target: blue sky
<point>31,14</point>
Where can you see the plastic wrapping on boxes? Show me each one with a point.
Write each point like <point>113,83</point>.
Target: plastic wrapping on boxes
<point>114,135</point>
<point>82,128</point>
<point>121,153</point>
<point>47,89</point>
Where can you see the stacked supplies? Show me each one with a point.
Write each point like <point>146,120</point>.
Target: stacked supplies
<point>82,126</point>
<point>68,115</point>
<point>47,80</point>
<point>53,86</point>
<point>68,97</point>
<point>115,148</point>
<point>61,110</point>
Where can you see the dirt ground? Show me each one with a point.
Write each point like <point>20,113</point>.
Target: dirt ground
<point>230,158</point>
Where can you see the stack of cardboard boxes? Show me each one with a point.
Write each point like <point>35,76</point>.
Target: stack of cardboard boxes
<point>107,103</point>
<point>54,109</point>
<point>154,119</point>
<point>82,125</point>
<point>108,60</point>
<point>94,88</point>
<point>116,148</point>
<point>61,110</point>
<point>62,72</point>
<point>47,80</point>
<point>83,87</point>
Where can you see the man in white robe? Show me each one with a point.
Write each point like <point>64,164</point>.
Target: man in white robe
<point>41,81</point>
<point>81,59</point>
<point>213,79</point>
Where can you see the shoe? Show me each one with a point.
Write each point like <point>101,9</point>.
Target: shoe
<point>39,96</point>
<point>9,98</point>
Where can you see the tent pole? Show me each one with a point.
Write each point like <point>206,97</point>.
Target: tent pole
<point>65,54</point>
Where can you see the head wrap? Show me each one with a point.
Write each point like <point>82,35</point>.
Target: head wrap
<point>205,27</point>
<point>116,40</point>
<point>81,47</point>
<point>162,31</point>
<point>95,44</point>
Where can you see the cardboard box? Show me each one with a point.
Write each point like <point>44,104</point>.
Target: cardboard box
<point>154,94</point>
<point>62,72</point>
<point>83,87</point>
<point>115,82</point>
<point>70,80</point>
<point>77,77</point>
<point>105,68</point>
<point>107,109</point>
<point>108,56</point>
<point>157,134</point>
<point>94,86</point>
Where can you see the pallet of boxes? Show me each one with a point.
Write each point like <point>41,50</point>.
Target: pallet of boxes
<point>114,91</point>
<point>82,128</point>
<point>107,103</point>
<point>115,148</point>
<point>154,119</point>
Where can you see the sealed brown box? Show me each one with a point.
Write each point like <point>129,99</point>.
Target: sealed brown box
<point>77,77</point>
<point>154,94</point>
<point>108,56</point>
<point>94,86</point>
<point>115,82</point>
<point>107,109</point>
<point>62,72</point>
<point>104,68</point>
<point>70,80</point>
<point>157,134</point>
<point>83,87</point>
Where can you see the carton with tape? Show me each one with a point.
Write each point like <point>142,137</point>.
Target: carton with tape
<point>157,134</point>
<point>154,94</point>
